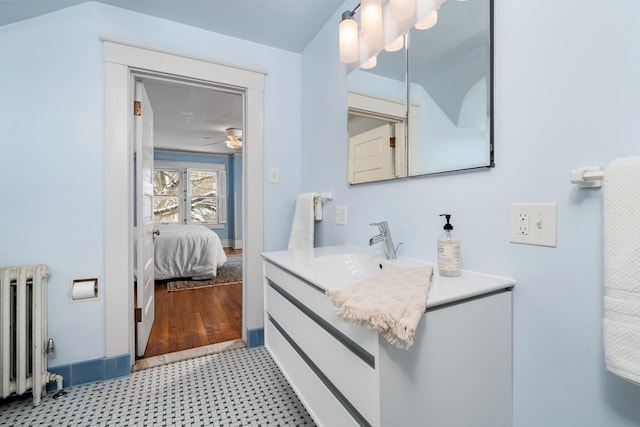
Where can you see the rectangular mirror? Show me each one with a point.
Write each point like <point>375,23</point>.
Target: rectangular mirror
<point>434,98</point>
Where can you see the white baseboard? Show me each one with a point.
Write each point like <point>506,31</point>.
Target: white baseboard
<point>229,243</point>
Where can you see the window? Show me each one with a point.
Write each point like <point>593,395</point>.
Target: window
<point>202,196</point>
<point>189,196</point>
<point>166,195</point>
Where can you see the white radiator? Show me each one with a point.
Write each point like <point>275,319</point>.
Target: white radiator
<point>23,332</point>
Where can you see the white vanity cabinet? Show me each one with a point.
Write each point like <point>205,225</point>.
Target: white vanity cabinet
<point>457,373</point>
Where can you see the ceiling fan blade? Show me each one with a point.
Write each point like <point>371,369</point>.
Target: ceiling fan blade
<point>213,143</point>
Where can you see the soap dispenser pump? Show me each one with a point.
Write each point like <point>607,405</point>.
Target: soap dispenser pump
<point>448,251</point>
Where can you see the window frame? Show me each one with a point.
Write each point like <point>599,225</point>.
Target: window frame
<point>184,198</point>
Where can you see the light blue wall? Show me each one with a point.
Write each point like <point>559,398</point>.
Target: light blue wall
<point>567,91</point>
<point>236,166</point>
<point>225,232</point>
<point>52,138</point>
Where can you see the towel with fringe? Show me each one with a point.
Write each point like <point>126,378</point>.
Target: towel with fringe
<point>392,303</point>
<point>621,323</point>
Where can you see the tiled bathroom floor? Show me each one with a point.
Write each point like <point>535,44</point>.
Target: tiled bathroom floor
<point>241,387</point>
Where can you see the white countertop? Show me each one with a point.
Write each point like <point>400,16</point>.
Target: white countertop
<point>333,267</point>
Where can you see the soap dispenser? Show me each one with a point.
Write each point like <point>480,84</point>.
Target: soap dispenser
<point>448,251</point>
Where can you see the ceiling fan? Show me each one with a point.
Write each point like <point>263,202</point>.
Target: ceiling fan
<point>234,139</point>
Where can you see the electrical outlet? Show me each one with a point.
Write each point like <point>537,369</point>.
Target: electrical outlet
<point>523,222</point>
<point>341,215</point>
<point>534,224</point>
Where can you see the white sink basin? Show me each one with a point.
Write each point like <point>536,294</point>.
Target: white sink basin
<point>338,271</point>
<point>336,267</point>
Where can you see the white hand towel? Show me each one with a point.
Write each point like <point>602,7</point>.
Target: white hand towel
<point>621,323</point>
<point>302,227</point>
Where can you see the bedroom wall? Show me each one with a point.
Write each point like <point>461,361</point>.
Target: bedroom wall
<point>53,143</point>
<point>566,96</point>
<point>226,231</point>
<point>236,165</point>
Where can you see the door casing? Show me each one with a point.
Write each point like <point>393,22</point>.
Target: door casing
<point>121,59</point>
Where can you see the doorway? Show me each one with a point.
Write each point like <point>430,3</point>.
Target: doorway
<point>121,59</point>
<point>196,180</point>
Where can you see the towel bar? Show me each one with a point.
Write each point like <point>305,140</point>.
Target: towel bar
<point>327,195</point>
<point>587,177</point>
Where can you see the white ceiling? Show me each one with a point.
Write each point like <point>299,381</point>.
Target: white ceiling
<point>185,115</point>
<point>193,118</point>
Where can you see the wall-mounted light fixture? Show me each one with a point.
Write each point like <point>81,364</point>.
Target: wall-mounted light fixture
<point>382,27</point>
<point>348,35</point>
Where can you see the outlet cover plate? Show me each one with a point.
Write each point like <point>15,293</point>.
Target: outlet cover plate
<point>341,215</point>
<point>274,176</point>
<point>542,224</point>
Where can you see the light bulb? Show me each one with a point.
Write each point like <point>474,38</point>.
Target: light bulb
<point>348,36</point>
<point>234,143</point>
<point>402,10</point>
<point>371,22</point>
<point>370,63</point>
<point>428,22</point>
<point>425,7</point>
<point>395,45</point>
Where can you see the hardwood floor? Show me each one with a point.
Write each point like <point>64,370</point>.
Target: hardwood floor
<point>195,317</point>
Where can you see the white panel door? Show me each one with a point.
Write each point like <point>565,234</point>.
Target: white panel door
<point>144,217</point>
<point>371,156</point>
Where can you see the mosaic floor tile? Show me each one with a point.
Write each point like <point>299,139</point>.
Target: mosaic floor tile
<point>240,387</point>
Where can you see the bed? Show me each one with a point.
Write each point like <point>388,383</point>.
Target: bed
<point>187,251</point>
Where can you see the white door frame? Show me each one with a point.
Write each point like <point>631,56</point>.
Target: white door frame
<point>121,58</point>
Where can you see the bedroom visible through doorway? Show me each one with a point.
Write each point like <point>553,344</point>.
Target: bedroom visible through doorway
<point>196,317</point>
<point>197,303</point>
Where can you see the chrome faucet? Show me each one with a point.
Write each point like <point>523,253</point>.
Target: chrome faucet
<point>385,236</point>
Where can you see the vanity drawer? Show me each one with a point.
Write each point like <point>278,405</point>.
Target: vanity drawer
<point>314,298</point>
<point>342,365</point>
<point>323,406</point>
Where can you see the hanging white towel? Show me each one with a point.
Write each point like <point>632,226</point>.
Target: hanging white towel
<point>621,323</point>
<point>302,227</point>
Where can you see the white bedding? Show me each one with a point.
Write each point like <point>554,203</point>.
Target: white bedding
<point>187,251</point>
